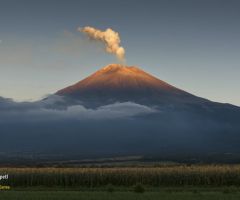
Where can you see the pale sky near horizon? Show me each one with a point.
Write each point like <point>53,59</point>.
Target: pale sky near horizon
<point>191,44</point>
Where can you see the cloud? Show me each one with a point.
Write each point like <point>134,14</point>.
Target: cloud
<point>56,108</point>
<point>109,37</point>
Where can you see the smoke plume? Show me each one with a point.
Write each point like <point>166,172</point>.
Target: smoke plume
<point>109,37</point>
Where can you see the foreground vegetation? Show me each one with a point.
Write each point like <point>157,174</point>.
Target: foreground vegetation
<point>165,182</point>
<point>78,195</point>
<point>196,175</point>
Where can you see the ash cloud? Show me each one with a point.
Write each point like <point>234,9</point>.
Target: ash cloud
<point>109,37</point>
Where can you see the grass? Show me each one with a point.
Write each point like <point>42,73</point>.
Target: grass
<point>96,195</point>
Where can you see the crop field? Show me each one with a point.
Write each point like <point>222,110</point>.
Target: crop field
<point>140,183</point>
<point>208,175</point>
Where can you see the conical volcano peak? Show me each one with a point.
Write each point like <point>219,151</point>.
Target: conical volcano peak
<point>116,82</point>
<point>117,76</point>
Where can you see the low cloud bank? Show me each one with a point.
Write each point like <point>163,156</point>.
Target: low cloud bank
<point>55,108</point>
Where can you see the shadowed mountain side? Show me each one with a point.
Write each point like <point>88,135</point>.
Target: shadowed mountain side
<point>167,132</point>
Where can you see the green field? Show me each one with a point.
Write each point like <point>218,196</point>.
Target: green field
<point>94,195</point>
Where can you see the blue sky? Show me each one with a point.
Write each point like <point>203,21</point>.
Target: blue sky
<point>192,44</point>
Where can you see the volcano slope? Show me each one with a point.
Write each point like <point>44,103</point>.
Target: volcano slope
<point>122,111</point>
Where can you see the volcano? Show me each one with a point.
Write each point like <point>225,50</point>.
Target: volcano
<point>119,83</point>
<point>118,78</point>
<point>183,122</point>
<point>122,111</point>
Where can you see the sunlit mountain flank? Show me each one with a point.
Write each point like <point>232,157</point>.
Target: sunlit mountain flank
<point>119,83</point>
